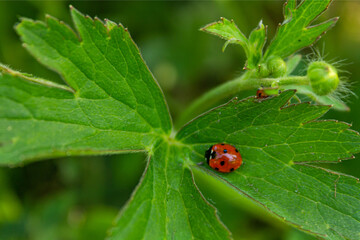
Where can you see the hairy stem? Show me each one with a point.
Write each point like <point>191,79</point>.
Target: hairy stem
<point>229,89</point>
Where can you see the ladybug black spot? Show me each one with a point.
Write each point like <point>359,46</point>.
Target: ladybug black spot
<point>222,163</point>
<point>232,169</point>
<point>217,169</point>
<point>225,151</point>
<point>222,144</point>
<point>236,150</point>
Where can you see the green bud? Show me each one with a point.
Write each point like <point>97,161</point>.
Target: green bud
<point>323,77</point>
<point>276,66</point>
<point>263,70</point>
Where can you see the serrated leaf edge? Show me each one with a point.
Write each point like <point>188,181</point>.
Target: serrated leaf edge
<point>293,163</point>
<point>286,21</point>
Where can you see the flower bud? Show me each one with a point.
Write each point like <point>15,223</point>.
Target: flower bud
<point>276,66</point>
<point>323,77</point>
<point>263,70</point>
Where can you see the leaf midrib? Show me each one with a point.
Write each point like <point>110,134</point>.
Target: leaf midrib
<point>72,123</point>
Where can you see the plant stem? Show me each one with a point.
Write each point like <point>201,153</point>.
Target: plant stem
<point>283,81</point>
<point>229,89</point>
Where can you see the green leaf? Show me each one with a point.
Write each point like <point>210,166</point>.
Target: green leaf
<point>167,203</point>
<point>334,101</point>
<point>227,30</point>
<point>257,40</point>
<point>111,104</point>
<point>292,63</point>
<point>295,32</point>
<point>282,148</point>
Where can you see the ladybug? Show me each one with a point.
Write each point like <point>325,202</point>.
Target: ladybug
<point>223,157</point>
<point>263,93</point>
<point>260,93</point>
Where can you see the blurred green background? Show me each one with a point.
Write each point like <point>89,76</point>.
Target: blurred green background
<point>79,197</point>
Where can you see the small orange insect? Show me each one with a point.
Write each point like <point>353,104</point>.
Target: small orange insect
<point>262,93</point>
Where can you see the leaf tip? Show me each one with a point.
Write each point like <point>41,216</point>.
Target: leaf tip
<point>23,21</point>
<point>74,12</point>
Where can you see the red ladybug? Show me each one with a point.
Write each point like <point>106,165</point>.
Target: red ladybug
<point>260,93</point>
<point>223,157</point>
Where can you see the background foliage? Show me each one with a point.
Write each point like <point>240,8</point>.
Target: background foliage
<point>72,198</point>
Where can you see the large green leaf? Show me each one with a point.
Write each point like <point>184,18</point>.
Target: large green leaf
<point>282,148</point>
<point>295,32</point>
<point>167,204</point>
<point>112,103</point>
